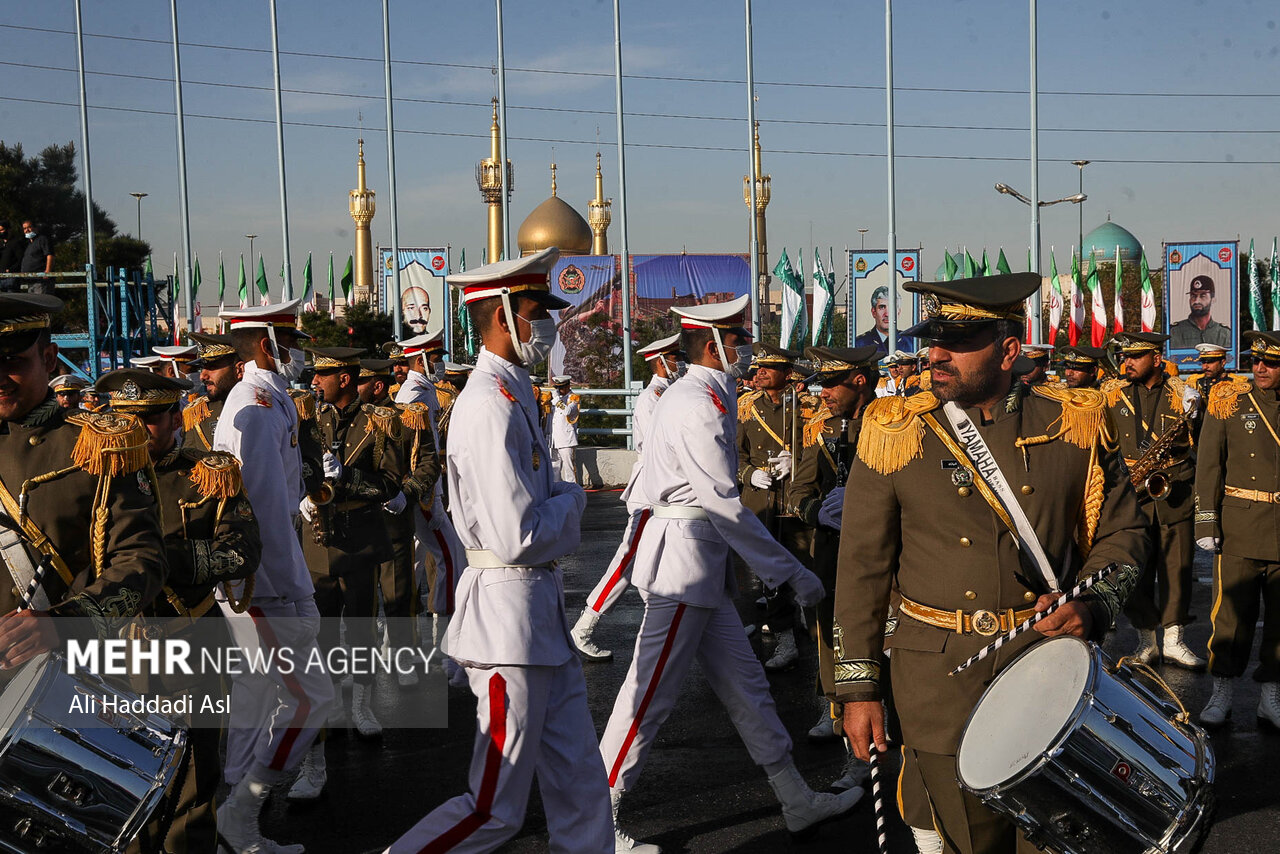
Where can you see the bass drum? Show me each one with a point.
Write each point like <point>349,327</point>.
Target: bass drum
<point>75,776</point>
<point>1086,760</point>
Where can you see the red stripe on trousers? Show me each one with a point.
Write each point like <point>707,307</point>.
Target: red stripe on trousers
<point>447,556</point>
<point>295,688</point>
<point>626,559</point>
<point>489,780</point>
<point>648,694</point>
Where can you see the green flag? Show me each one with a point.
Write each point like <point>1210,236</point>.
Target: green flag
<point>469,337</point>
<point>1002,264</point>
<point>824,302</point>
<point>1275,288</point>
<point>147,270</point>
<point>1148,298</point>
<point>348,278</point>
<point>986,265</point>
<point>308,296</point>
<point>222,280</point>
<point>793,314</point>
<point>970,266</point>
<point>244,286</point>
<point>949,266</point>
<point>332,294</point>
<point>195,283</point>
<point>261,282</point>
<point>1256,310</point>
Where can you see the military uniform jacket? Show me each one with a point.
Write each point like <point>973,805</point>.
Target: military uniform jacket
<point>114,569</point>
<point>368,441</point>
<point>505,498</point>
<point>1160,409</point>
<point>446,395</point>
<point>824,462</point>
<point>421,462</point>
<point>1238,449</point>
<point>925,524</point>
<point>691,459</point>
<point>200,420</point>
<point>210,532</point>
<point>564,420</point>
<point>259,427</point>
<point>764,429</point>
<point>418,389</point>
<point>640,420</point>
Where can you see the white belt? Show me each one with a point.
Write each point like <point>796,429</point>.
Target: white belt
<point>680,511</point>
<point>485,559</point>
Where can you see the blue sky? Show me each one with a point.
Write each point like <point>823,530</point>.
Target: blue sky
<point>1153,81</point>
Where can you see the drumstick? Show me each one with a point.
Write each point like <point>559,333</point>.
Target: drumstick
<point>29,595</point>
<point>878,801</point>
<point>1031,621</point>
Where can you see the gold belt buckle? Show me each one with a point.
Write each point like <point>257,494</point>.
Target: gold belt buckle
<point>985,623</point>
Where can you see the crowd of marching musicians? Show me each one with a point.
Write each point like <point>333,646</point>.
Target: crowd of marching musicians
<point>203,484</point>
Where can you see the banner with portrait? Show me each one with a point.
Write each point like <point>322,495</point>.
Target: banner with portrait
<point>1200,298</point>
<point>424,301</point>
<point>589,341</point>
<point>867,299</point>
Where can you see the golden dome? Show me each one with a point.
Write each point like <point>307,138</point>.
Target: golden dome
<point>554,223</point>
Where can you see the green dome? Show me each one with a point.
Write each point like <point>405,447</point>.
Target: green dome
<point>1101,243</point>
<point>940,274</point>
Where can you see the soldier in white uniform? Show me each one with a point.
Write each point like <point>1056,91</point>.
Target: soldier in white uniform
<point>564,427</point>
<point>435,536</point>
<point>685,575</point>
<point>661,357</point>
<point>275,716</point>
<point>509,631</point>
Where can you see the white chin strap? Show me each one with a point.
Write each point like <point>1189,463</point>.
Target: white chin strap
<point>275,348</point>
<point>511,324</point>
<point>724,362</point>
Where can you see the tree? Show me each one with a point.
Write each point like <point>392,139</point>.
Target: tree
<point>361,326</point>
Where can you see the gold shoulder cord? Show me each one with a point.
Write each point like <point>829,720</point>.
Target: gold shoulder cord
<point>1264,420</point>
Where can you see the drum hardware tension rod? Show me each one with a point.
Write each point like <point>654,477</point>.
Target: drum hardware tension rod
<point>1031,621</point>
<point>873,760</point>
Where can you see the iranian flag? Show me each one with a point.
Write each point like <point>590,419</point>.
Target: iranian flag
<point>1098,330</point>
<point>1118,311</point>
<point>1055,299</point>
<point>1148,298</point>
<point>1075,325</point>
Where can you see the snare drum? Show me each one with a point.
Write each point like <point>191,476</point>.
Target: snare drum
<point>1085,759</point>
<point>74,781</point>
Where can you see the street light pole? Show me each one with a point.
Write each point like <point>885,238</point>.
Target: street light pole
<point>1080,164</point>
<point>863,232</point>
<point>1036,335</point>
<point>250,289</point>
<point>139,197</point>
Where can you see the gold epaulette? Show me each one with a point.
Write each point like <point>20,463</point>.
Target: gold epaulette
<point>1113,390</point>
<point>816,426</point>
<point>1170,369</point>
<point>195,413</point>
<point>1084,414</point>
<point>745,402</point>
<point>1224,397</point>
<point>216,475</point>
<point>893,432</point>
<point>394,389</point>
<point>110,443</point>
<point>1192,379</point>
<point>810,404</point>
<point>445,392</point>
<point>926,379</point>
<point>415,416</point>
<point>1176,388</point>
<point>384,419</point>
<point>882,383</point>
<point>305,402</point>
<point>573,398</point>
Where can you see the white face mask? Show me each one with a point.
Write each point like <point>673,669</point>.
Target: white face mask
<point>297,363</point>
<point>542,337</point>
<point>437,372</point>
<point>30,235</point>
<point>739,368</point>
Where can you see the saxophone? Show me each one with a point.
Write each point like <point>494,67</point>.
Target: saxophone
<point>1149,471</point>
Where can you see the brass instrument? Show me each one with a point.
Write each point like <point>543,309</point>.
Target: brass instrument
<point>1149,471</point>
<point>842,453</point>
<point>323,496</point>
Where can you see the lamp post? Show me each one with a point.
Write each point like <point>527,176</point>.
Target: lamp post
<point>1078,198</point>
<point>863,232</point>
<point>139,197</point>
<point>1080,164</point>
<point>250,289</point>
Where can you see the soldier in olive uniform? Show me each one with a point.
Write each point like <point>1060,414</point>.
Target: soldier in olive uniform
<point>399,364</point>
<point>1038,355</point>
<point>963,578</point>
<point>770,427</point>
<point>1213,370</point>
<point>73,487</point>
<point>220,368</point>
<point>68,389</point>
<point>210,536</point>
<point>1080,366</point>
<point>1237,489</point>
<point>363,469</point>
<point>1144,406</point>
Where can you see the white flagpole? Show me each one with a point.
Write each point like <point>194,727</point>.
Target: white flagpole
<point>284,199</point>
<point>182,174</point>
<point>753,240</point>
<point>502,144</point>
<point>1037,336</point>
<point>394,296</point>
<point>892,343</point>
<point>622,202</point>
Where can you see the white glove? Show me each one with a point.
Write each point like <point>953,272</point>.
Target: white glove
<point>332,467</point>
<point>397,504</point>
<point>832,510</point>
<point>760,479</point>
<point>807,588</point>
<point>1190,400</point>
<point>1208,544</point>
<point>308,509</point>
<point>781,465</point>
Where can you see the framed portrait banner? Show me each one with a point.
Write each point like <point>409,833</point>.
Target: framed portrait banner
<point>424,298</point>
<point>1200,293</point>
<point>868,297</point>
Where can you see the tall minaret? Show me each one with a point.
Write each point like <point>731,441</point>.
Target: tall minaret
<point>361,205</point>
<point>489,180</point>
<point>762,202</point>
<point>598,215</point>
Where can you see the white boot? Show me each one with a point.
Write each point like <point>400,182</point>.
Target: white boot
<point>827,728</point>
<point>1217,711</point>
<point>785,653</point>
<point>311,778</point>
<point>1148,650</point>
<point>238,829</point>
<point>803,808</point>
<point>927,841</point>
<point>1269,704</point>
<point>622,841</point>
<point>361,715</point>
<point>856,773</point>
<point>407,678</point>
<point>581,635</point>
<point>1175,651</point>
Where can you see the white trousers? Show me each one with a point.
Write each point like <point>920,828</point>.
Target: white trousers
<point>441,545</point>
<point>672,634</point>
<point>566,463</point>
<point>275,714</point>
<point>529,721</point>
<point>617,578</point>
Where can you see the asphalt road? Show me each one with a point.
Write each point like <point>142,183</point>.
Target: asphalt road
<point>700,792</point>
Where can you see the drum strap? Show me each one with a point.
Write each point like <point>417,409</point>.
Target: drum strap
<point>976,452</point>
<point>15,534</point>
